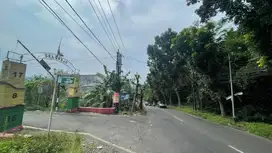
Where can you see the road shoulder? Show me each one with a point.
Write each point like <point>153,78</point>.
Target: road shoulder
<point>233,137</point>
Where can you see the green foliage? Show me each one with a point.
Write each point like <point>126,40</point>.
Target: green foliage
<point>36,101</point>
<point>101,94</point>
<point>148,93</point>
<point>192,67</point>
<point>252,16</point>
<point>32,97</point>
<point>56,143</point>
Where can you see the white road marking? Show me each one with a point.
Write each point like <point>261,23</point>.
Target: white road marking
<point>178,119</point>
<point>167,112</point>
<point>204,132</point>
<point>87,134</point>
<point>173,116</point>
<point>131,121</point>
<point>235,149</point>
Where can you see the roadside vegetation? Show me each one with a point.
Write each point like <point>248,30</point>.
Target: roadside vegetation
<point>99,95</point>
<point>191,67</point>
<point>35,100</point>
<point>41,143</point>
<point>258,128</point>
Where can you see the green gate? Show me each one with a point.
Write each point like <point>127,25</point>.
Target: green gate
<point>11,117</point>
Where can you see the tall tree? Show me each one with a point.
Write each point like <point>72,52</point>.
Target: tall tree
<point>252,15</point>
<point>198,71</point>
<point>160,61</point>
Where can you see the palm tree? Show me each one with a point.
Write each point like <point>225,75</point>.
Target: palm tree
<point>101,94</point>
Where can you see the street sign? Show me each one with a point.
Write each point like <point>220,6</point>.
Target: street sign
<point>40,89</point>
<point>124,96</point>
<point>66,80</point>
<point>45,65</point>
<point>236,94</point>
<point>116,97</point>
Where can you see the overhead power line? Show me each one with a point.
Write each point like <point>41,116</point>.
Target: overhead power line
<point>49,11</point>
<point>105,23</point>
<point>73,19</point>
<point>132,58</point>
<point>108,23</point>
<point>79,25</point>
<point>65,25</point>
<point>116,24</point>
<point>89,29</point>
<point>102,24</point>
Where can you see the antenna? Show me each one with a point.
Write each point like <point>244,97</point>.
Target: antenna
<point>59,53</point>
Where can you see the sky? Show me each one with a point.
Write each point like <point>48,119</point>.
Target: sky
<point>139,21</point>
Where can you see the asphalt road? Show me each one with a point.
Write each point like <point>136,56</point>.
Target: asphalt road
<point>161,131</point>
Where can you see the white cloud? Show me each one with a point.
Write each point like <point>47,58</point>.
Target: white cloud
<point>138,20</point>
<point>105,6</point>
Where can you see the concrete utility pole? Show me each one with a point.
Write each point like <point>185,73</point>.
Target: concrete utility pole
<point>141,97</point>
<point>118,72</point>
<point>137,76</point>
<point>231,90</point>
<point>59,54</point>
<point>52,105</point>
<point>47,68</point>
<point>58,95</point>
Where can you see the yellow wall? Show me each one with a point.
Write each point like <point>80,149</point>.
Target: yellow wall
<point>12,79</point>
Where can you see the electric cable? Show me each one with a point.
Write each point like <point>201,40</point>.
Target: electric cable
<point>64,24</point>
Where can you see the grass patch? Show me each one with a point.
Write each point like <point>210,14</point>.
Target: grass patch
<point>35,107</point>
<point>258,128</point>
<point>41,143</point>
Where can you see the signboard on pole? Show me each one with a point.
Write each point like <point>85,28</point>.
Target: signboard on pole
<point>40,89</point>
<point>45,65</point>
<point>66,80</point>
<point>124,96</point>
<point>116,97</point>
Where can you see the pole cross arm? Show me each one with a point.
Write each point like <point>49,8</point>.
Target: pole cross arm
<point>236,94</point>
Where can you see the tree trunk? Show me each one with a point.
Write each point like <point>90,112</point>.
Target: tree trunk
<point>222,109</point>
<point>170,99</point>
<point>141,99</point>
<point>177,93</point>
<point>133,103</point>
<point>164,98</point>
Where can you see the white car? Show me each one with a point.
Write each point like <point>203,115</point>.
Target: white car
<point>161,105</point>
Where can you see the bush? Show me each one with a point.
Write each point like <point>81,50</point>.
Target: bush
<point>103,105</point>
<point>97,104</point>
<point>56,143</point>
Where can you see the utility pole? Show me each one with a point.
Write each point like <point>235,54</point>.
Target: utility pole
<point>47,68</point>
<point>137,76</point>
<point>59,54</point>
<point>141,96</point>
<point>118,73</point>
<point>52,105</point>
<point>231,90</point>
<point>58,95</point>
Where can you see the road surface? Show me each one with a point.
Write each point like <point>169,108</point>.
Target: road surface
<point>161,131</point>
